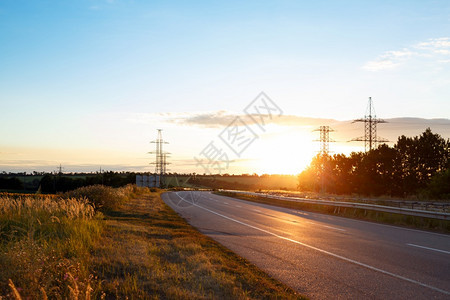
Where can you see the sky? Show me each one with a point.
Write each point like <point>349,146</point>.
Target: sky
<point>86,84</point>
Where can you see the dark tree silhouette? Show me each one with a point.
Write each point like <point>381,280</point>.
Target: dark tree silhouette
<point>403,169</point>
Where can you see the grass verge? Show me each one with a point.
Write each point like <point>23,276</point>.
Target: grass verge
<point>434,225</point>
<point>148,251</point>
<point>44,246</point>
<point>46,241</point>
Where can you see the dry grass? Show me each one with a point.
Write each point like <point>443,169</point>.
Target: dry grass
<point>61,248</point>
<point>105,197</point>
<point>21,195</point>
<point>43,240</point>
<point>46,241</point>
<point>149,252</point>
<point>33,207</point>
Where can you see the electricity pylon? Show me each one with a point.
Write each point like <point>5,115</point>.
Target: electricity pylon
<point>370,120</point>
<point>161,159</point>
<point>324,152</point>
<point>324,139</point>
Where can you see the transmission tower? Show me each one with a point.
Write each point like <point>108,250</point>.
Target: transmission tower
<point>324,139</point>
<point>160,162</point>
<point>324,151</point>
<point>370,120</point>
<point>60,170</point>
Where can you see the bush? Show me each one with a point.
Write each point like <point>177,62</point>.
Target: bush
<point>13,183</point>
<point>439,186</point>
<point>105,197</point>
<point>102,197</point>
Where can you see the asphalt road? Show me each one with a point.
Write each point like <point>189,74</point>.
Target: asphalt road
<point>322,256</point>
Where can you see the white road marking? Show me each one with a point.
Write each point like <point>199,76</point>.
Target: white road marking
<point>331,227</point>
<point>324,251</point>
<point>257,210</point>
<point>340,229</point>
<point>226,203</point>
<point>433,249</point>
<point>299,212</point>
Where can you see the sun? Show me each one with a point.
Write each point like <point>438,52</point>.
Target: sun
<point>282,153</point>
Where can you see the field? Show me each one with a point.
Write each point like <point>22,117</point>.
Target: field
<point>81,246</point>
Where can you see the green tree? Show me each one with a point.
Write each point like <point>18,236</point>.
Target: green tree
<point>420,158</point>
<point>403,169</point>
<point>439,186</point>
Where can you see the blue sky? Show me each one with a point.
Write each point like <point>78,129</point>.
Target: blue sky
<point>84,82</point>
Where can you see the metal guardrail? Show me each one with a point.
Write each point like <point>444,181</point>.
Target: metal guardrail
<point>374,207</point>
<point>420,205</point>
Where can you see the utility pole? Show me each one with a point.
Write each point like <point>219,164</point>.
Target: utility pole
<point>160,162</point>
<point>370,120</point>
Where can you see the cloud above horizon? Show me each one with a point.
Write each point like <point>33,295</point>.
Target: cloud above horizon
<point>345,130</point>
<point>216,119</point>
<point>436,50</point>
<point>223,118</point>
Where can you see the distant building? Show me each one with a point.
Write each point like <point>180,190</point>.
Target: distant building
<point>148,180</point>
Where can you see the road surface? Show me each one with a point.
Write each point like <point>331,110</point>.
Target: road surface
<point>323,256</point>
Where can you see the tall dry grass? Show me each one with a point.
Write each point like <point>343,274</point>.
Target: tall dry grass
<point>26,206</point>
<point>105,197</point>
<point>46,240</point>
<point>44,245</point>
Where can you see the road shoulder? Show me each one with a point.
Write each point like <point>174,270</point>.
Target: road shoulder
<point>149,251</point>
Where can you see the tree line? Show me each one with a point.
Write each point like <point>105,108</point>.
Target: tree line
<point>51,183</point>
<point>414,165</point>
<point>59,182</point>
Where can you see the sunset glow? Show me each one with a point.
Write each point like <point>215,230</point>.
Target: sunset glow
<point>286,153</point>
<point>87,84</point>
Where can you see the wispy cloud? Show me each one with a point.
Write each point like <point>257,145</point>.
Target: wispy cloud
<point>345,130</point>
<point>207,119</point>
<point>224,118</point>
<point>381,64</point>
<point>436,50</point>
<point>439,45</point>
